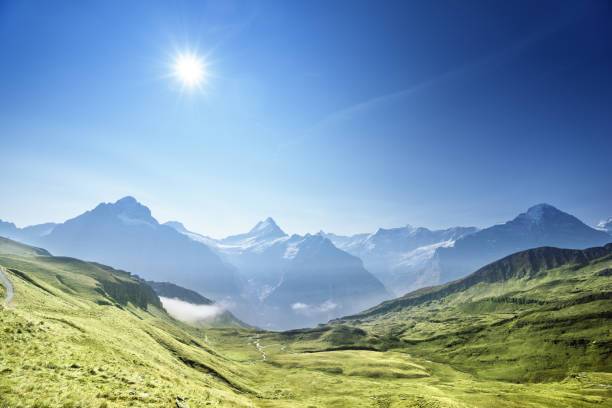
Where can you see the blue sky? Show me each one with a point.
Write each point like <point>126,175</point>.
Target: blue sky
<point>342,116</point>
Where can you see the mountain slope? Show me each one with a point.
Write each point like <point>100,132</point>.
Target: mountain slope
<point>541,225</point>
<point>532,316</point>
<point>322,281</point>
<point>400,257</point>
<point>84,334</point>
<point>124,234</point>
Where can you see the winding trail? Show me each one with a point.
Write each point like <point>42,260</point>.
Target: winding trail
<point>260,348</point>
<point>8,285</point>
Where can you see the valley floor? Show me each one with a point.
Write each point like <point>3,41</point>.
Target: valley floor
<point>365,378</point>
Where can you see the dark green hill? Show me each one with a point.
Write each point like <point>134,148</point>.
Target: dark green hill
<point>531,264</point>
<point>172,291</point>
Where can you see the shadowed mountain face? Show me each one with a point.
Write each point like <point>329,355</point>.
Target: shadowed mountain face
<point>323,281</point>
<point>541,225</point>
<point>170,290</point>
<point>125,235</point>
<point>296,281</point>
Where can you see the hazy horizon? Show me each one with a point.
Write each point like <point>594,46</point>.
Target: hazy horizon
<point>246,228</point>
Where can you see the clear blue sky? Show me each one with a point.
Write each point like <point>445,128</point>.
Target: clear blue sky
<point>344,116</point>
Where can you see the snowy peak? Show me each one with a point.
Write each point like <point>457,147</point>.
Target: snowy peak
<point>130,207</point>
<point>267,228</point>
<point>605,225</point>
<point>263,232</point>
<point>127,209</point>
<point>540,225</point>
<point>545,217</point>
<point>542,212</point>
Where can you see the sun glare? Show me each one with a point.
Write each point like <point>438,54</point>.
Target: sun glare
<point>190,70</point>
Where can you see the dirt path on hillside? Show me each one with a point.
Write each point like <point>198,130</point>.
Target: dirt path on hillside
<point>8,285</point>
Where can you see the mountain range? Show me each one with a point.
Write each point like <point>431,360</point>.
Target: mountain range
<point>409,258</point>
<point>400,257</point>
<point>540,225</point>
<point>278,281</point>
<point>294,281</point>
<point>266,277</point>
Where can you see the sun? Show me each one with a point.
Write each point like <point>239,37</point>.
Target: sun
<point>190,70</point>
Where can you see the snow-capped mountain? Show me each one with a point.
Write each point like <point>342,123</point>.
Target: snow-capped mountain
<point>262,233</point>
<point>125,235</point>
<point>540,225</point>
<point>296,281</point>
<point>400,257</point>
<point>605,225</point>
<point>280,281</point>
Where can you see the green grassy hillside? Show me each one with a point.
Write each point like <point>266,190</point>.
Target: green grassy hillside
<point>534,331</point>
<point>536,315</point>
<point>83,334</point>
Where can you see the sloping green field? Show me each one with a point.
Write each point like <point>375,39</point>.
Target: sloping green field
<point>525,333</point>
<point>81,334</point>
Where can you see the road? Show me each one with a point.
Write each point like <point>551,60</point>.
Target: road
<point>8,285</point>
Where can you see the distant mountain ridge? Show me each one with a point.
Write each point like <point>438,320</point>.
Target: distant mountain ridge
<point>540,225</point>
<point>400,257</point>
<point>26,234</point>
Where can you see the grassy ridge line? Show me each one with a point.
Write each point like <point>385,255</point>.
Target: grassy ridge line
<point>519,265</point>
<point>538,315</point>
